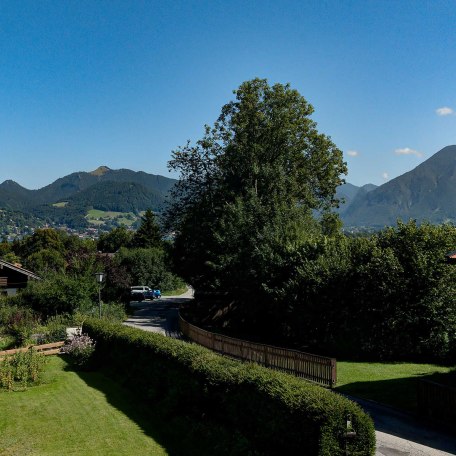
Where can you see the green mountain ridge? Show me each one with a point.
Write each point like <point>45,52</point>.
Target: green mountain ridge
<point>426,193</point>
<point>120,190</point>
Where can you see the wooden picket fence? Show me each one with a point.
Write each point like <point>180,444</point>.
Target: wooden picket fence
<point>46,349</point>
<point>316,368</point>
<point>437,402</point>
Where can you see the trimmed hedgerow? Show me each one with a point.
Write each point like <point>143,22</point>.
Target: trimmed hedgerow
<point>275,412</point>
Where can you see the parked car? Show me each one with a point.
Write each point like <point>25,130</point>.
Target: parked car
<point>157,294</point>
<point>141,292</point>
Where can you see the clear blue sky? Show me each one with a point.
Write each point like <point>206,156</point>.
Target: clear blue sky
<point>123,83</point>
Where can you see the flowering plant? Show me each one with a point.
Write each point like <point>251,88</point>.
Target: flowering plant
<point>80,348</point>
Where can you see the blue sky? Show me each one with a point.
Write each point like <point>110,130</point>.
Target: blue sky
<point>123,83</point>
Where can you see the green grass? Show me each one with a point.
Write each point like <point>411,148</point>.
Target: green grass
<point>61,204</point>
<point>71,413</point>
<point>389,383</point>
<point>97,217</point>
<point>176,292</point>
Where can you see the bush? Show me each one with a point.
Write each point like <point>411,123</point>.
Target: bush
<point>276,413</point>
<point>55,329</point>
<point>80,350</point>
<point>21,369</point>
<point>114,312</point>
<point>21,323</point>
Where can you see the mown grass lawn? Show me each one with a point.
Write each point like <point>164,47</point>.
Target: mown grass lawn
<point>68,414</point>
<point>389,383</point>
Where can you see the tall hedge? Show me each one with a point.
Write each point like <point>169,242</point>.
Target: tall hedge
<point>278,414</point>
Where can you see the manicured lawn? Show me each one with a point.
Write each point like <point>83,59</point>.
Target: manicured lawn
<point>73,414</point>
<point>388,383</point>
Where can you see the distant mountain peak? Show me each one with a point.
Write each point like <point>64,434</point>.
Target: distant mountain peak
<point>100,171</point>
<point>426,193</point>
<point>10,184</point>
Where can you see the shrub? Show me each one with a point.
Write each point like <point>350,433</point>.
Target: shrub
<point>55,329</point>
<point>23,369</point>
<point>80,349</point>
<point>21,324</point>
<point>276,413</point>
<point>114,312</point>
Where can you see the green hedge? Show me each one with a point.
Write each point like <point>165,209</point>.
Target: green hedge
<point>277,413</point>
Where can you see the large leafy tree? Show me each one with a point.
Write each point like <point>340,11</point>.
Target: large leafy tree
<point>114,240</point>
<point>253,182</point>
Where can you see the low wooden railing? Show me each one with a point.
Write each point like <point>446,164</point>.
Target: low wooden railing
<point>437,402</point>
<point>316,368</point>
<point>46,349</point>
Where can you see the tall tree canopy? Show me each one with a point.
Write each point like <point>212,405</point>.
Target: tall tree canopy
<point>255,178</point>
<point>148,234</point>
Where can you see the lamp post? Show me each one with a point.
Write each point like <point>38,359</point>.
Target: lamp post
<point>100,276</point>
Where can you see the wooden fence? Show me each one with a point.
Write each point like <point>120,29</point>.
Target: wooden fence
<point>46,349</point>
<point>437,402</point>
<point>316,368</point>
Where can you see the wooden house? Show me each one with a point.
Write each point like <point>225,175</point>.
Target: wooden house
<point>13,277</point>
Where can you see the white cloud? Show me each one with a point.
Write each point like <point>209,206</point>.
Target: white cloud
<point>444,111</point>
<point>353,153</point>
<point>385,175</point>
<point>408,151</point>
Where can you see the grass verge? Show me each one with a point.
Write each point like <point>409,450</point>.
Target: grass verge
<point>176,292</point>
<point>70,414</point>
<point>388,383</point>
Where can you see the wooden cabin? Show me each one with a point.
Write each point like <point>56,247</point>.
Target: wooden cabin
<point>13,277</point>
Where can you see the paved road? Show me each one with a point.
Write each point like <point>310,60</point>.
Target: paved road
<point>159,315</point>
<point>398,434</point>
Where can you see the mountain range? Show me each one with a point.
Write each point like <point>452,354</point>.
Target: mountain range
<point>426,193</point>
<point>67,200</point>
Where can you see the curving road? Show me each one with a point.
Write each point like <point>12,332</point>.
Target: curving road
<point>398,434</point>
<point>159,315</point>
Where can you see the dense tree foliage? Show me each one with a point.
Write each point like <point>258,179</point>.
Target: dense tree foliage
<point>148,267</point>
<point>62,294</point>
<point>113,240</point>
<point>253,217</point>
<point>148,234</point>
<point>387,297</point>
<point>251,183</point>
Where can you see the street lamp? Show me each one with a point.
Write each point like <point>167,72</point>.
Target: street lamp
<point>100,276</point>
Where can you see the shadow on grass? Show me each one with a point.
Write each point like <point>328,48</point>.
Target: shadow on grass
<point>393,406</point>
<point>179,435</point>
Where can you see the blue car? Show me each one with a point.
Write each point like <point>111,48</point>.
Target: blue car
<point>152,294</point>
<point>157,294</point>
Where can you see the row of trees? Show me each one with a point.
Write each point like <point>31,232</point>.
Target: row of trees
<point>253,216</point>
<point>68,265</point>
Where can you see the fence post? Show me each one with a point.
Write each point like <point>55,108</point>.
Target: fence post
<point>333,373</point>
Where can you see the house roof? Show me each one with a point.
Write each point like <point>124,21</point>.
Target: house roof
<point>14,267</point>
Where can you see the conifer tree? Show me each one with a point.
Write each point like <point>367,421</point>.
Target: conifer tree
<point>148,234</point>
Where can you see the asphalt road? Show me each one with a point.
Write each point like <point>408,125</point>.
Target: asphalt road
<point>159,315</point>
<point>398,434</point>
